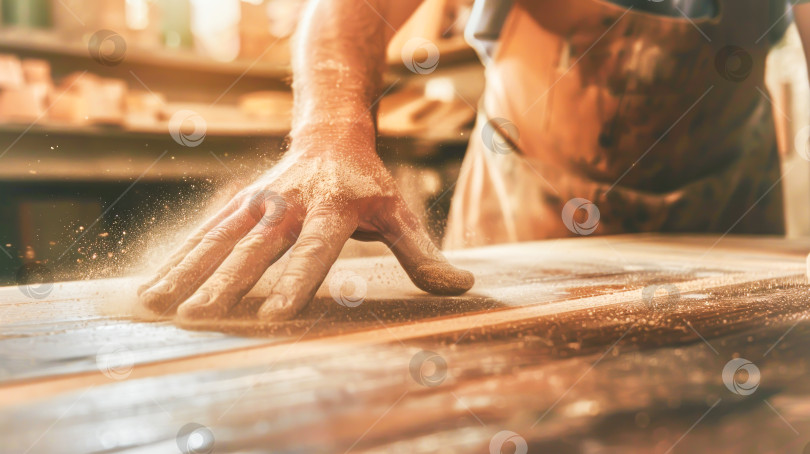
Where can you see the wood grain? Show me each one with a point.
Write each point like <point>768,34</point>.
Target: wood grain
<point>556,343</point>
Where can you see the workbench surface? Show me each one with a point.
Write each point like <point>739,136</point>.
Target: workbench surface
<point>601,344</point>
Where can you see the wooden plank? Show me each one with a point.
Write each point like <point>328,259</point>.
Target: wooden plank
<point>544,279</point>
<point>555,331</point>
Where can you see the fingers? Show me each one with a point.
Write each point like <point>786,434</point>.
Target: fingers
<point>191,242</point>
<point>321,240</point>
<point>198,265</point>
<point>426,266</point>
<point>249,259</point>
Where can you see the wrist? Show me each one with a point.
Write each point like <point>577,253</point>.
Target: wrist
<point>340,133</point>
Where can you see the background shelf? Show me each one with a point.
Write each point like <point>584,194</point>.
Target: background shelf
<point>46,43</point>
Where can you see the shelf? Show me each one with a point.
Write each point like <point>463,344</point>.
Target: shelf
<point>132,132</point>
<point>54,152</point>
<point>48,42</point>
<point>51,151</point>
<point>162,131</point>
<point>51,43</point>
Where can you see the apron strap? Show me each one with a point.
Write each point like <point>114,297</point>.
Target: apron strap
<point>484,26</point>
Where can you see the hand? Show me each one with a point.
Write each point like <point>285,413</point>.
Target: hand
<point>311,202</point>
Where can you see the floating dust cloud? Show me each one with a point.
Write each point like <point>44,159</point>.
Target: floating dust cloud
<point>158,243</point>
<point>136,238</point>
<point>71,240</point>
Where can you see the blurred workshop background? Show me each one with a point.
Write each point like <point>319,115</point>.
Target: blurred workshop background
<point>118,117</point>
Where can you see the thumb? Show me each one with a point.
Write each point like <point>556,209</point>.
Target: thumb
<point>425,264</point>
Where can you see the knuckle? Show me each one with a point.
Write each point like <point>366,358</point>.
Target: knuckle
<point>218,234</point>
<point>222,281</point>
<point>180,271</point>
<point>295,274</point>
<point>308,246</point>
<point>194,238</point>
<point>294,281</point>
<point>234,202</point>
<point>327,210</point>
<point>252,242</point>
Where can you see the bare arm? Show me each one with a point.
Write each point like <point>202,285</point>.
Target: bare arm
<point>329,187</point>
<point>339,57</point>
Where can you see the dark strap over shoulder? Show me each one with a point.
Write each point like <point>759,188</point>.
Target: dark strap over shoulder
<point>781,17</point>
<point>485,24</point>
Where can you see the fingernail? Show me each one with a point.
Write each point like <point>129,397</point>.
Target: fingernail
<point>197,307</point>
<point>197,299</point>
<point>444,279</point>
<point>273,308</point>
<point>161,287</point>
<point>148,284</point>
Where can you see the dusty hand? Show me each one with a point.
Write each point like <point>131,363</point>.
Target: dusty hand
<point>312,203</point>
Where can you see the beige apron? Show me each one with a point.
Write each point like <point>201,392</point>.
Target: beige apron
<point>661,122</point>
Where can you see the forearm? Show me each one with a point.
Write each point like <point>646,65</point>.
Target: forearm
<point>338,58</point>
<point>338,61</point>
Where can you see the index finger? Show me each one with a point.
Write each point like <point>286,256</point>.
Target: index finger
<point>317,248</point>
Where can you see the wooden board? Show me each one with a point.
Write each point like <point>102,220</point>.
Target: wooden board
<point>557,342</point>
